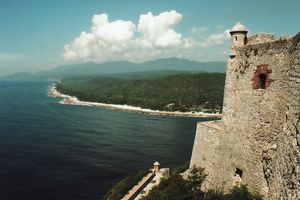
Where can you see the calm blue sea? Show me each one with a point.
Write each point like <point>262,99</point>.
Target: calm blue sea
<point>50,151</point>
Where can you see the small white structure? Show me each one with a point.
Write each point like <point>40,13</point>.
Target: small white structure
<point>156,167</point>
<point>238,37</point>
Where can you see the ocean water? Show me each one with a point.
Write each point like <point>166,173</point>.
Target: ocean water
<point>50,151</point>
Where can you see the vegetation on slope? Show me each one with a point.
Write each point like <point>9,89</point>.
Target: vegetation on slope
<point>184,92</point>
<point>175,187</point>
<point>122,188</point>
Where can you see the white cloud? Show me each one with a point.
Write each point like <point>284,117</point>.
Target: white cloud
<point>112,32</point>
<point>216,39</point>
<point>154,36</point>
<point>159,29</point>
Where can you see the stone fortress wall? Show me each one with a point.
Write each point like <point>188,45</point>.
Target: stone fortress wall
<point>257,141</point>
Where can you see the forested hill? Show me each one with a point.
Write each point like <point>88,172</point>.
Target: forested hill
<point>184,92</point>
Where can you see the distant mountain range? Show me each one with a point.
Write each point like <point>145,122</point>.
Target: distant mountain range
<point>121,67</point>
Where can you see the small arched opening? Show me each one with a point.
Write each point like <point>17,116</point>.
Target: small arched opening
<point>238,172</point>
<point>262,77</point>
<point>238,175</point>
<point>262,80</point>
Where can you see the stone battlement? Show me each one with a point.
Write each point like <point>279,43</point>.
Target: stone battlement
<point>261,38</point>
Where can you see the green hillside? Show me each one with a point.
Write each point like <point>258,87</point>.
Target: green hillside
<point>184,92</point>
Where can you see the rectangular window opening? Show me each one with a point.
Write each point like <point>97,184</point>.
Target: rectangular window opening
<point>262,81</point>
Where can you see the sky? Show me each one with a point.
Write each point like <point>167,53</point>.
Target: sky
<point>41,34</point>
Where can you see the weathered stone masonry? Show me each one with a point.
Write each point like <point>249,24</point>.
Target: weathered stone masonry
<point>257,141</point>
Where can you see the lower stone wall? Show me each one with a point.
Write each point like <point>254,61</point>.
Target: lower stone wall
<point>206,142</point>
<point>224,156</point>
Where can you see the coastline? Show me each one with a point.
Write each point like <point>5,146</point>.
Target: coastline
<point>72,100</point>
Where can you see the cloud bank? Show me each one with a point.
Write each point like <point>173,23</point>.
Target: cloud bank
<point>153,36</point>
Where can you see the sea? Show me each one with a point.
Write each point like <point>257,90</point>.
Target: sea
<point>51,151</point>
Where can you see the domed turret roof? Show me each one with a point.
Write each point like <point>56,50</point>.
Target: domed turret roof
<point>156,163</point>
<point>239,27</point>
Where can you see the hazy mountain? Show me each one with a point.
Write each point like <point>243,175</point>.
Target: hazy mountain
<point>120,67</point>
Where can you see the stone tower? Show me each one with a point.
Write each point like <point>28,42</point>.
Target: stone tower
<point>238,37</point>
<point>257,141</point>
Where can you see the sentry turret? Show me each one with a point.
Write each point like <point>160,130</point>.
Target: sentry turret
<point>238,37</point>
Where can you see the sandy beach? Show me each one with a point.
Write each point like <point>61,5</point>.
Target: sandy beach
<point>71,100</point>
